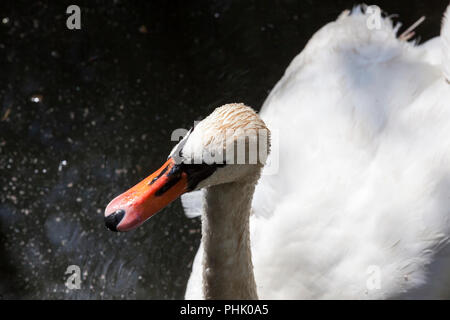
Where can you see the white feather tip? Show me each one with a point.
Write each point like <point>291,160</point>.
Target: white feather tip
<point>445,36</point>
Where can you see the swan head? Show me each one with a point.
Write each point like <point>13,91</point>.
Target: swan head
<point>230,145</point>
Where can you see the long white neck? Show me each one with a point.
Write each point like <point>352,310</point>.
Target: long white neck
<point>227,264</point>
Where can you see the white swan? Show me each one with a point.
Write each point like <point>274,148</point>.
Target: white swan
<point>360,204</point>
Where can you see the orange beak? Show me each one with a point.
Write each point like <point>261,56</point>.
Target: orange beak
<point>133,207</point>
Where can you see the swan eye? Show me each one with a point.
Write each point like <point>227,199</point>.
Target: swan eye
<point>195,174</point>
<point>198,172</point>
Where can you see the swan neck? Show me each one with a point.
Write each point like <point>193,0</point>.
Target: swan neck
<point>227,265</point>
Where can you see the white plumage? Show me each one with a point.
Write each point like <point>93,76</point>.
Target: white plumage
<point>362,193</point>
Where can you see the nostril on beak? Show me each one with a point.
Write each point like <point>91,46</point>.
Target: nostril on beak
<point>113,220</point>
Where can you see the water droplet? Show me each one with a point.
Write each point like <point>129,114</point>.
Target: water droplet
<point>36,98</point>
<point>62,164</point>
<point>143,29</point>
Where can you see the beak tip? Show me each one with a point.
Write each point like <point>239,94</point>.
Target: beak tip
<point>113,220</point>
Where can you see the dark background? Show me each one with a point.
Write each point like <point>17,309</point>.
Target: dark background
<point>103,101</point>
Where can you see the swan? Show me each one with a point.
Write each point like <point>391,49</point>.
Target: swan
<point>353,200</point>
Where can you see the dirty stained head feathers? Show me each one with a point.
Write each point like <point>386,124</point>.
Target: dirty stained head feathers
<point>231,134</point>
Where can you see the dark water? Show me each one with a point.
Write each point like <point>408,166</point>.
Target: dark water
<point>86,114</point>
